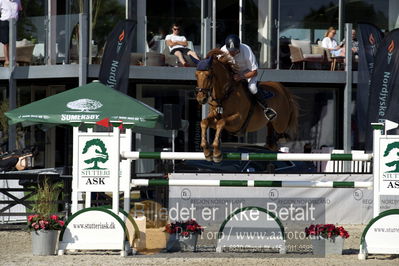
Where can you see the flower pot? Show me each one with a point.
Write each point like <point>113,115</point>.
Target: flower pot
<point>188,243</point>
<point>328,246</point>
<point>177,242</point>
<point>44,242</point>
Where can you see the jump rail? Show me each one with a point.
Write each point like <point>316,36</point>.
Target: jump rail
<point>134,155</point>
<point>251,183</point>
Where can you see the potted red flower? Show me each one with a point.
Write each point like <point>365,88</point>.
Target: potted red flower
<point>183,235</point>
<point>326,238</point>
<point>45,225</point>
<point>52,222</point>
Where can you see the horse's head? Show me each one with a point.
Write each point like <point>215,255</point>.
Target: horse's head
<point>214,76</point>
<point>204,80</point>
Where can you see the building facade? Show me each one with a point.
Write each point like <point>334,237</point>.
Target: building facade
<point>69,36</point>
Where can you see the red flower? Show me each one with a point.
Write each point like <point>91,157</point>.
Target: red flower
<point>190,227</point>
<point>326,231</point>
<point>51,222</point>
<point>31,217</point>
<point>184,228</point>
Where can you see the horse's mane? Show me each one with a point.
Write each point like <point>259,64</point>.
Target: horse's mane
<point>223,58</point>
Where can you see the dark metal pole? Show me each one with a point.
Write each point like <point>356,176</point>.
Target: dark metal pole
<point>348,94</point>
<point>12,84</point>
<point>83,44</point>
<point>341,19</point>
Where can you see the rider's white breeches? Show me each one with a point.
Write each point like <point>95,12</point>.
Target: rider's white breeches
<point>252,85</point>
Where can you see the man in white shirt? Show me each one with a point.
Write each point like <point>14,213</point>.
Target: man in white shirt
<point>9,9</point>
<point>248,69</point>
<point>178,45</point>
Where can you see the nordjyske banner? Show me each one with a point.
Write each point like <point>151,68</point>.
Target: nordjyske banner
<point>384,96</point>
<point>114,70</point>
<point>369,37</point>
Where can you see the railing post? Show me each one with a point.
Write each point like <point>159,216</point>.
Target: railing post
<point>377,127</point>
<point>12,85</point>
<point>348,94</point>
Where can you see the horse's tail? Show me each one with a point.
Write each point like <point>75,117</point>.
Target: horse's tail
<point>294,114</point>
<point>292,127</point>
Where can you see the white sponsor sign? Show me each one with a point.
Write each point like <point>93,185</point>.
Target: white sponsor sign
<point>254,229</point>
<point>95,169</point>
<point>334,205</point>
<point>94,229</point>
<point>389,166</point>
<point>383,235</point>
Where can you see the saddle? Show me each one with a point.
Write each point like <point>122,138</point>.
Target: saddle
<point>268,93</point>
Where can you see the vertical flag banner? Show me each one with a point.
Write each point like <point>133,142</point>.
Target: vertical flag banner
<point>114,70</point>
<point>384,96</point>
<point>369,37</point>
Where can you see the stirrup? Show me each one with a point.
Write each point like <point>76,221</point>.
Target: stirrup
<point>270,114</point>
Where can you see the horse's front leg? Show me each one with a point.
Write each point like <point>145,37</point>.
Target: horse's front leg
<point>204,142</point>
<point>217,153</point>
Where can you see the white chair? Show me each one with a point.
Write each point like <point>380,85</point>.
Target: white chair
<point>24,52</point>
<point>301,52</point>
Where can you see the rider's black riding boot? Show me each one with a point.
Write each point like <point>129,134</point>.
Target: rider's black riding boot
<point>261,97</point>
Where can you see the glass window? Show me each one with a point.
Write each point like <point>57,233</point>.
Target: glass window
<point>307,20</point>
<point>304,20</point>
<point>31,29</point>
<point>317,120</point>
<point>382,13</point>
<point>65,31</point>
<point>105,16</point>
<point>31,24</point>
<point>226,19</point>
<point>250,28</point>
<point>258,33</point>
<point>162,14</point>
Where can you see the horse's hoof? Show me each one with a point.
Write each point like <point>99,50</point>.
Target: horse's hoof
<point>209,157</point>
<point>217,159</point>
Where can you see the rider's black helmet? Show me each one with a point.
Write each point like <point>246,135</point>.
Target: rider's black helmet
<point>232,43</point>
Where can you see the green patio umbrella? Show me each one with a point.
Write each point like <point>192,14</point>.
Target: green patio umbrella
<point>88,103</point>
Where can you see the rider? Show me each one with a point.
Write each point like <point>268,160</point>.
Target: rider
<point>248,69</point>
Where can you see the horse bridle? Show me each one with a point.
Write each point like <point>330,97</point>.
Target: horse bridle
<point>207,91</point>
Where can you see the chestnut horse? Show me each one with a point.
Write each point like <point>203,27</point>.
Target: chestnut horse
<point>233,108</point>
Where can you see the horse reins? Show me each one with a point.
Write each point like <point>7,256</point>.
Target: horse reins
<point>228,88</point>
